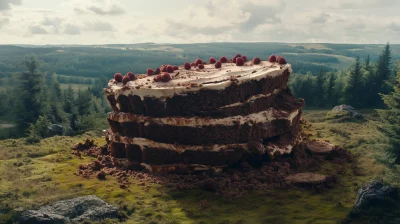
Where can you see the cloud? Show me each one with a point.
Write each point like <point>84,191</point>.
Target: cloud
<point>36,29</point>
<point>99,26</point>
<point>4,21</point>
<point>321,18</point>
<point>258,15</point>
<point>72,29</point>
<point>54,23</point>
<point>394,27</point>
<point>100,7</point>
<point>112,10</point>
<point>5,4</point>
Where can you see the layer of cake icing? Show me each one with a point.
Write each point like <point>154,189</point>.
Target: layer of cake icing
<point>185,81</point>
<point>263,116</point>
<point>124,147</point>
<point>204,132</point>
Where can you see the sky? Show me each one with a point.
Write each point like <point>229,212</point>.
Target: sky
<point>44,22</point>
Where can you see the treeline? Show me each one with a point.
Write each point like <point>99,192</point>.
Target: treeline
<point>95,61</point>
<point>37,103</point>
<point>359,86</point>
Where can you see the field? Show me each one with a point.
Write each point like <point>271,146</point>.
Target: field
<point>33,175</point>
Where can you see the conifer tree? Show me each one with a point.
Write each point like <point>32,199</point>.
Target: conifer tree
<point>330,90</point>
<point>354,85</point>
<point>391,117</point>
<point>30,94</point>
<point>319,88</point>
<point>383,74</point>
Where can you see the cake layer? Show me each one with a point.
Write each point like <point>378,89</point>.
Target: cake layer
<point>196,92</point>
<point>205,130</point>
<point>144,151</point>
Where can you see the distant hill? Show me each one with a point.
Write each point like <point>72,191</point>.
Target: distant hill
<point>104,60</point>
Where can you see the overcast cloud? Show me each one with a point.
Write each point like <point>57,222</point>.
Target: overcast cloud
<point>190,21</point>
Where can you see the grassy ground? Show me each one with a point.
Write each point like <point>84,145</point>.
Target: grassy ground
<point>33,175</point>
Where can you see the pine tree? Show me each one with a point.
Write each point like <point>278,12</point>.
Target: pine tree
<point>383,74</point>
<point>354,85</point>
<point>30,94</point>
<point>319,88</point>
<point>391,116</point>
<point>330,90</point>
<point>369,77</point>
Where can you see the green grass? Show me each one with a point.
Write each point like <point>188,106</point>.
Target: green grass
<point>34,175</point>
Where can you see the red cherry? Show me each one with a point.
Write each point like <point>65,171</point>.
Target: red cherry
<point>212,60</point>
<point>282,61</point>
<point>170,69</point>
<point>131,76</point>
<point>126,79</point>
<point>244,58</point>
<point>157,71</point>
<point>223,59</point>
<point>272,58</point>
<point>164,68</point>
<point>176,67</point>
<point>201,66</point>
<point>238,56</point>
<point>198,61</point>
<point>256,61</point>
<point>193,64</point>
<point>187,66</point>
<point>239,61</point>
<point>218,64</point>
<point>166,77</point>
<point>150,71</point>
<point>118,77</point>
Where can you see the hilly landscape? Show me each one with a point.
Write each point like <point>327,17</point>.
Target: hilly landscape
<point>38,165</point>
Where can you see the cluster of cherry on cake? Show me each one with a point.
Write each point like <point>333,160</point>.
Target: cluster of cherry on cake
<point>163,73</point>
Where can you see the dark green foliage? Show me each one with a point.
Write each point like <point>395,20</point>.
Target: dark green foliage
<point>353,91</point>
<point>38,130</point>
<point>30,93</point>
<point>383,74</point>
<point>391,116</point>
<point>330,90</point>
<point>38,101</point>
<point>319,88</point>
<point>359,86</point>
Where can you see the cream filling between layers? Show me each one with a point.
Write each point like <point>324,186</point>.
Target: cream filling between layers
<point>263,116</point>
<point>208,78</point>
<point>143,142</point>
<point>252,98</point>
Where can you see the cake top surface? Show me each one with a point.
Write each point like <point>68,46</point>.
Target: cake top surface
<point>184,81</point>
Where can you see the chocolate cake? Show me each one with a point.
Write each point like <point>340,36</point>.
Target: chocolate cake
<point>203,116</point>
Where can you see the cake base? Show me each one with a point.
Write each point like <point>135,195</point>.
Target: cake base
<point>170,158</point>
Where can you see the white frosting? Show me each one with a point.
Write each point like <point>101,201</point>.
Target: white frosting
<point>271,148</point>
<point>185,81</point>
<point>144,142</point>
<point>252,98</point>
<point>260,117</point>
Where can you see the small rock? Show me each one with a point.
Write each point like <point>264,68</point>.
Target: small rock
<point>55,129</point>
<point>77,209</point>
<point>343,113</point>
<point>36,217</point>
<point>375,194</point>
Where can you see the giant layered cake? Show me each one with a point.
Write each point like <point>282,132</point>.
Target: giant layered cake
<point>203,116</point>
